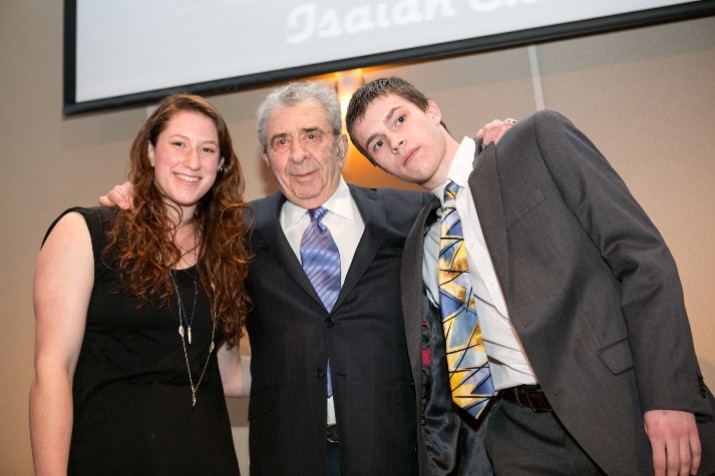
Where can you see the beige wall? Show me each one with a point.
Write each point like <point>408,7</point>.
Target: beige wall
<point>646,97</point>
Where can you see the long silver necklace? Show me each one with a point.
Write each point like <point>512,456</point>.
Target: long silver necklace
<point>184,336</point>
<point>184,320</point>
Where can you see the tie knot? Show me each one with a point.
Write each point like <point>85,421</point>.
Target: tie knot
<point>317,214</point>
<point>450,191</point>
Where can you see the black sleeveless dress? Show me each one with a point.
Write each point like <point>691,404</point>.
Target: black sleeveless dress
<point>133,412</point>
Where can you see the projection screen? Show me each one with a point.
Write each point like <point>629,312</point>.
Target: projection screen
<point>119,53</point>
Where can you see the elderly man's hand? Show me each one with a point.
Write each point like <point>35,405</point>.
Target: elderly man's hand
<point>493,131</point>
<point>121,196</point>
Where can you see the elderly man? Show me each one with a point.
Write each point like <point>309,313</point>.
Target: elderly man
<point>330,374</point>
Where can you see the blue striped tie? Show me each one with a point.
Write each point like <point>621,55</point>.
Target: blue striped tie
<point>321,263</point>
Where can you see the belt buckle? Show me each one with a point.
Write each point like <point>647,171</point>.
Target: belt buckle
<point>331,433</point>
<point>525,400</point>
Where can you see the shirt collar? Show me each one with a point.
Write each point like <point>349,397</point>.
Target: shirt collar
<point>461,167</point>
<point>338,203</point>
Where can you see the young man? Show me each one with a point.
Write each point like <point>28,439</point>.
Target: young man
<point>579,304</point>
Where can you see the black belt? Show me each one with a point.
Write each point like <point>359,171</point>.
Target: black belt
<point>331,434</point>
<point>527,396</point>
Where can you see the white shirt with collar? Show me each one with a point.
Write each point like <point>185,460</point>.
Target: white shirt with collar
<point>343,220</point>
<point>508,362</point>
<point>346,226</point>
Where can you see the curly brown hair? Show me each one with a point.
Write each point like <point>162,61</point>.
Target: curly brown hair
<point>142,236</point>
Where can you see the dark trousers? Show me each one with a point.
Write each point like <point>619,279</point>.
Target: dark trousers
<point>520,441</point>
<point>333,457</point>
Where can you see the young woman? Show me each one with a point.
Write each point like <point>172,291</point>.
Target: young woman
<point>139,312</point>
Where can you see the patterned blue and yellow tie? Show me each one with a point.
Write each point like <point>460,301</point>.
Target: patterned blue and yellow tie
<point>321,263</point>
<point>469,375</point>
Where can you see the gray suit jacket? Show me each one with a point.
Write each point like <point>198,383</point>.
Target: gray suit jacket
<point>591,288</point>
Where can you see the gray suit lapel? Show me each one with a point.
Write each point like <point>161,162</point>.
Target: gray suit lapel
<point>484,184</point>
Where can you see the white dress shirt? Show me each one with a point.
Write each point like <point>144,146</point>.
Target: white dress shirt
<point>346,226</point>
<point>508,363</point>
<point>343,220</point>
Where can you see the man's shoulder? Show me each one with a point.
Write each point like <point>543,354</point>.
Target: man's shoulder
<point>542,127</point>
<point>399,207</point>
<point>266,203</point>
<point>392,196</point>
<point>543,120</point>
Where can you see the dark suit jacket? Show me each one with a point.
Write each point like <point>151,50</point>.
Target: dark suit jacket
<point>452,442</point>
<point>292,336</point>
<point>591,288</point>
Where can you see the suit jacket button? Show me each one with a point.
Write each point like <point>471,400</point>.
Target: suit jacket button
<point>329,322</point>
<point>320,373</point>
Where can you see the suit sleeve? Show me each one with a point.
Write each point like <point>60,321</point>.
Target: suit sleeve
<point>651,293</point>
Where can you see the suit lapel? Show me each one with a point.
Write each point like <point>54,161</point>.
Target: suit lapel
<point>412,286</point>
<point>372,211</point>
<point>268,225</point>
<point>484,184</point>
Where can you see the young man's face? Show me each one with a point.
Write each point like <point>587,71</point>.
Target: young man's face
<point>407,142</point>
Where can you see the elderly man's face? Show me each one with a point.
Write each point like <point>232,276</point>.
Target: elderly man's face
<point>305,156</point>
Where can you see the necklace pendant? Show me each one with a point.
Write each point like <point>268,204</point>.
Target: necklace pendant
<point>181,331</point>
<point>193,398</point>
<point>189,328</point>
